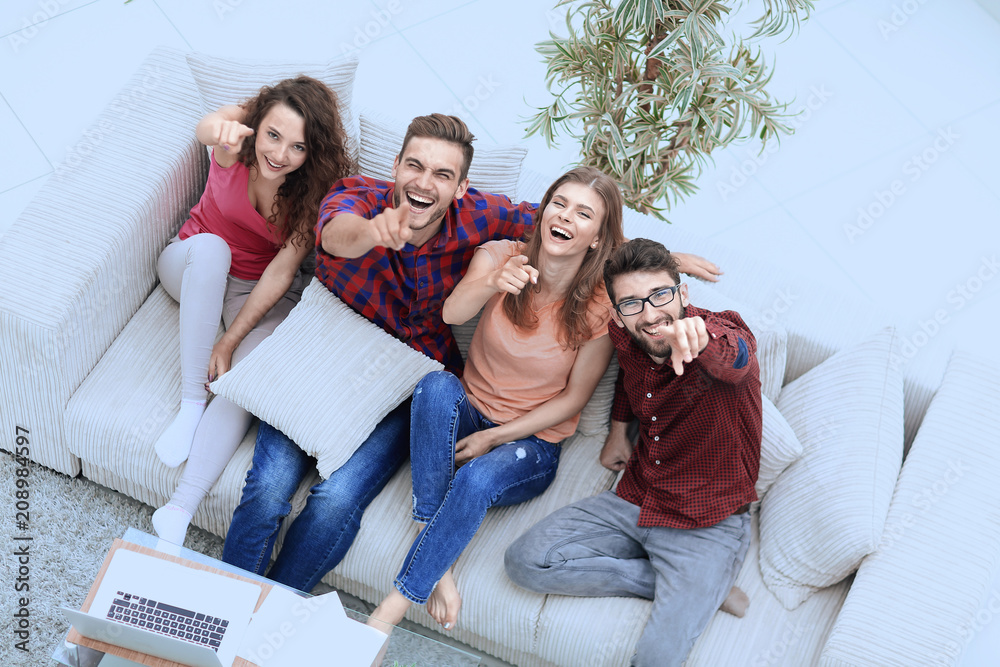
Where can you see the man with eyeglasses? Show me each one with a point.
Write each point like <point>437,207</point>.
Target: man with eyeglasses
<point>676,529</point>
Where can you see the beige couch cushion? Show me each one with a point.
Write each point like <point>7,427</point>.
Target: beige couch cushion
<point>326,377</point>
<point>941,547</point>
<point>779,447</point>
<point>827,510</point>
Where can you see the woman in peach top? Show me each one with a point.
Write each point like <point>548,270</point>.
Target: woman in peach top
<point>538,352</point>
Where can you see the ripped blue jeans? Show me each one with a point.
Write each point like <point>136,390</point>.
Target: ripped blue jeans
<point>453,503</point>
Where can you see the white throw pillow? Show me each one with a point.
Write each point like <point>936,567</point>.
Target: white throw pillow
<point>772,339</point>
<point>494,170</point>
<point>779,447</point>
<point>827,511</point>
<point>223,81</point>
<point>325,378</point>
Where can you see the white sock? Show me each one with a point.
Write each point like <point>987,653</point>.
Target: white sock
<point>174,445</point>
<point>171,523</point>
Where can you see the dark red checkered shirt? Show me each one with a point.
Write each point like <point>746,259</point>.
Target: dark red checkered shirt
<point>698,453</point>
<point>402,291</point>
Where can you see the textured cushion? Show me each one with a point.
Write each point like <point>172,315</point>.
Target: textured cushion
<point>827,510</point>
<point>929,587</point>
<point>779,447</point>
<point>492,170</point>
<point>325,378</point>
<point>595,418</point>
<point>772,341</point>
<point>223,81</point>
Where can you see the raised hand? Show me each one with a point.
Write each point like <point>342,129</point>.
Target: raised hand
<point>229,135</point>
<point>391,228</point>
<point>687,337</point>
<point>697,266</point>
<point>514,275</point>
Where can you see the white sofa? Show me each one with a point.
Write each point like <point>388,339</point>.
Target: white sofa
<point>89,363</point>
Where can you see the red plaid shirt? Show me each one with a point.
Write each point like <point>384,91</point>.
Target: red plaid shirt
<point>403,290</point>
<point>698,453</point>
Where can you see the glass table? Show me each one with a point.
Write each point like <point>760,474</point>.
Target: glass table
<point>406,649</point>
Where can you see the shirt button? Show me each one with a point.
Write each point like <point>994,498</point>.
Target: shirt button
<point>649,396</point>
<point>654,419</point>
<point>656,439</point>
<point>657,463</point>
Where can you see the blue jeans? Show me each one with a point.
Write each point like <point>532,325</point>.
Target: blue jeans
<point>320,536</point>
<point>596,547</point>
<point>453,503</point>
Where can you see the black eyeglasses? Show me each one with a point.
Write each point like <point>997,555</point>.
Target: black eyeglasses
<point>631,307</point>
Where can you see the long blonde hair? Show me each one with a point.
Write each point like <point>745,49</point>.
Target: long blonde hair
<point>589,279</point>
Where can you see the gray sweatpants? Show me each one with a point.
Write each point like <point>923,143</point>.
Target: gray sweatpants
<point>594,547</point>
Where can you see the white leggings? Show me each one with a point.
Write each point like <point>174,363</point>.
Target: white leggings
<point>195,272</point>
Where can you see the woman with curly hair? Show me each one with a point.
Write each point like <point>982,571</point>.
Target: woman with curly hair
<point>237,258</point>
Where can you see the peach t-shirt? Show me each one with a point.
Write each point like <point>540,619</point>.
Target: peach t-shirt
<point>511,371</point>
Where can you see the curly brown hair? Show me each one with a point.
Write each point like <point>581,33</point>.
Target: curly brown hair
<point>296,204</point>
<point>576,328</point>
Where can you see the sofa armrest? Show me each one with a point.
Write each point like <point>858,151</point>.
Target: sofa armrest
<point>915,600</point>
<point>81,259</point>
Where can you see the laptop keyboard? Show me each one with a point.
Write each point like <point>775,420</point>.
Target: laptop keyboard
<point>165,619</point>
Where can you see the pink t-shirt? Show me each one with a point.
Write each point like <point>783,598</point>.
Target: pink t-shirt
<point>225,210</point>
<point>511,371</point>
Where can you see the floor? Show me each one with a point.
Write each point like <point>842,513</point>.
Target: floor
<point>885,191</point>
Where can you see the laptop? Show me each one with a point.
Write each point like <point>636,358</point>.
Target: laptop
<point>167,610</point>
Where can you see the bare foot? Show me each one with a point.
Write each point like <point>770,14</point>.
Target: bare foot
<point>444,603</point>
<point>389,612</point>
<point>736,603</point>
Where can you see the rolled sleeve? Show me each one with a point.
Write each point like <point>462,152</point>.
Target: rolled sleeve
<point>731,348</point>
<point>361,196</point>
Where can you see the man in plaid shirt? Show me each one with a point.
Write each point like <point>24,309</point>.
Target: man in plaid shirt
<point>393,252</point>
<point>676,529</point>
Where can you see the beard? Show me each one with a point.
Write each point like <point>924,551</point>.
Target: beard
<point>656,349</point>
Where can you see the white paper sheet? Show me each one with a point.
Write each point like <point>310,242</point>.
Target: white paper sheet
<point>289,631</point>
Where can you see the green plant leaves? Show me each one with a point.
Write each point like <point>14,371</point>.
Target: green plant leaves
<point>650,88</point>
